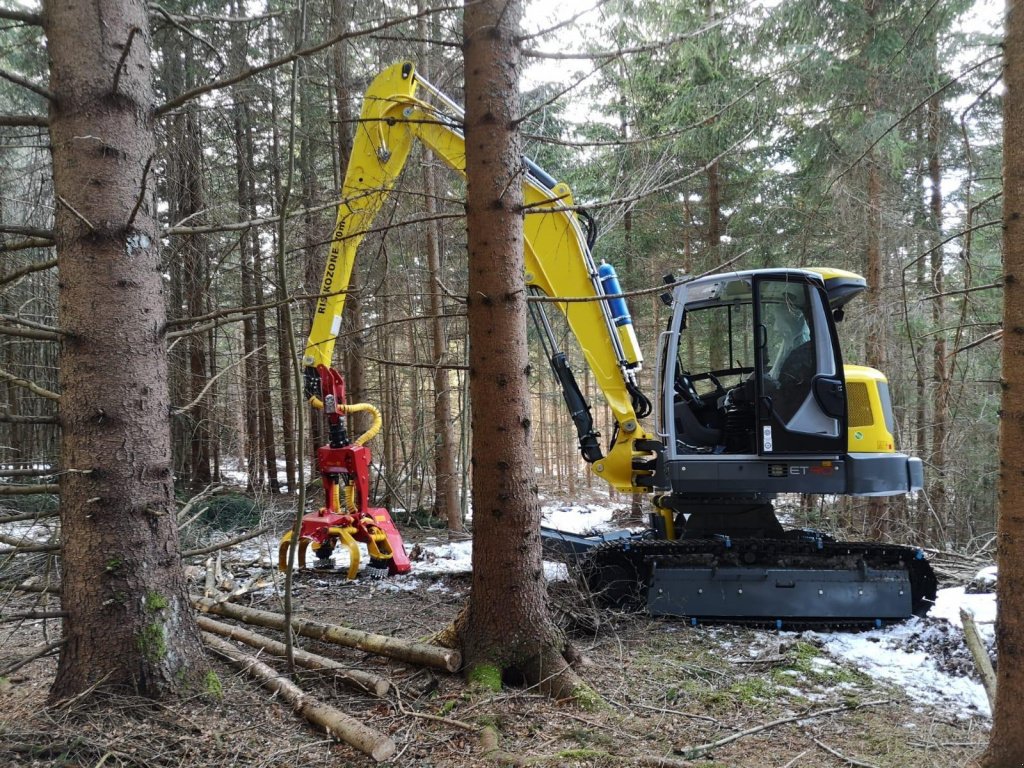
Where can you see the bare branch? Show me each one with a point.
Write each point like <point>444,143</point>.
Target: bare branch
<point>17,229</point>
<point>180,17</point>
<point>7,418</point>
<point>656,46</point>
<point>28,333</point>
<point>142,193</point>
<point>25,17</point>
<point>25,245</point>
<point>124,57</point>
<point>30,386</point>
<point>15,320</point>
<point>211,382</point>
<point>28,490</point>
<point>24,121</point>
<point>228,542</point>
<point>26,83</point>
<point>204,327</point>
<point>74,211</point>
<point>288,58</point>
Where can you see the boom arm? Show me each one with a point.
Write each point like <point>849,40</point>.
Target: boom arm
<point>557,258</point>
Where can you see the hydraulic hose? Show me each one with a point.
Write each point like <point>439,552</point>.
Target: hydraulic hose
<point>369,434</point>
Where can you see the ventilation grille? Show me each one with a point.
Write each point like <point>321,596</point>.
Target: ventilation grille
<point>858,405</point>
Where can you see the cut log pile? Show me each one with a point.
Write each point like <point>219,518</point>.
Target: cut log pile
<point>340,725</point>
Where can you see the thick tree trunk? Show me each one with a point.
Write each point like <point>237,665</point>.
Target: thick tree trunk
<point>1007,742</point>
<point>507,624</point>
<point>129,624</point>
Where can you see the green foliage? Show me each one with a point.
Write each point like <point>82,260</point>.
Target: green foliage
<point>230,512</point>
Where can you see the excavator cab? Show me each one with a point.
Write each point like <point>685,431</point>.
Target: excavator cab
<point>757,369</point>
<point>756,398</point>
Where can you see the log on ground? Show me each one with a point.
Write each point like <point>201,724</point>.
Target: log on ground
<point>341,726</point>
<point>356,678</point>
<point>409,651</point>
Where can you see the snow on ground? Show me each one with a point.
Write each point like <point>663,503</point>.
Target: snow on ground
<point>922,656</point>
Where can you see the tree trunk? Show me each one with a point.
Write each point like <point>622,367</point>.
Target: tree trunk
<point>507,625</point>
<point>940,366</point>
<point>1007,742</point>
<point>129,625</point>
<point>876,346</point>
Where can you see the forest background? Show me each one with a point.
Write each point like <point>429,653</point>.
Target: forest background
<point>863,136</point>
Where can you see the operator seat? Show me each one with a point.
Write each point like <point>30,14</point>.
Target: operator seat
<point>691,431</point>
<point>793,383</point>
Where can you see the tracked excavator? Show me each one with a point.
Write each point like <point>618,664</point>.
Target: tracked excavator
<point>753,400</point>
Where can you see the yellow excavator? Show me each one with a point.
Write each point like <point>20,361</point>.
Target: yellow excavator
<point>753,400</point>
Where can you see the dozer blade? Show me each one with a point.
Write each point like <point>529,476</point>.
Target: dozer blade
<point>779,594</point>
<point>802,581</point>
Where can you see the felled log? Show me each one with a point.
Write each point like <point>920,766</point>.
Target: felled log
<point>364,681</point>
<point>972,637</point>
<point>377,745</point>
<point>409,651</point>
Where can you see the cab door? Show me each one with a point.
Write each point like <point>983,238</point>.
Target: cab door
<point>801,395</point>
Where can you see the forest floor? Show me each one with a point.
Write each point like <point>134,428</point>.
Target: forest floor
<point>763,698</point>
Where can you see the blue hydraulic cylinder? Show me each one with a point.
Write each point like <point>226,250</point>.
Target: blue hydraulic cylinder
<point>620,315</point>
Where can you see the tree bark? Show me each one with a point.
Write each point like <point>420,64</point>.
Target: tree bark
<point>1007,741</point>
<point>507,625</point>
<point>129,625</point>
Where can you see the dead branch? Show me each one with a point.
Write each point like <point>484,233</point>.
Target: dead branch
<point>24,245</point>
<point>836,753</point>
<point>980,655</point>
<point>409,651</point>
<point>40,652</point>
<point>341,726</point>
<point>228,542</point>
<point>8,418</point>
<point>40,267</point>
<point>357,678</point>
<point>30,386</point>
<point>692,753</point>
<point>35,585</point>
<point>28,490</point>
<point>203,495</point>
<point>203,328</point>
<point>26,83</point>
<point>248,72</point>
<point>25,17</point>
<point>31,615</point>
<point>24,121</point>
<point>212,381</point>
<point>29,333</point>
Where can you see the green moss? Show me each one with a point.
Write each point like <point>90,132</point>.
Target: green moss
<point>113,564</point>
<point>582,754</point>
<point>446,708</point>
<point>155,601</point>
<point>486,677</point>
<point>212,685</point>
<point>588,699</point>
<point>152,642</point>
<point>753,689</point>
